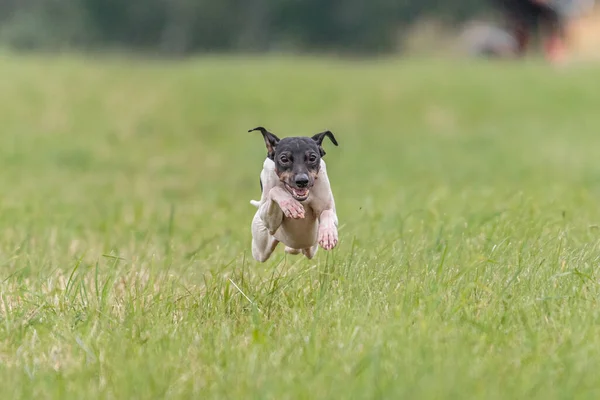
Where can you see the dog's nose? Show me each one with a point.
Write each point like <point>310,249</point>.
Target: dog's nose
<point>301,180</point>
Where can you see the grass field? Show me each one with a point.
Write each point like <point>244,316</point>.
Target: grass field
<point>469,226</point>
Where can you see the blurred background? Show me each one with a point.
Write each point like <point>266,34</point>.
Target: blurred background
<point>357,27</point>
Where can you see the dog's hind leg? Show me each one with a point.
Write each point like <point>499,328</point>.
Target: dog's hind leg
<point>263,243</point>
<point>311,251</point>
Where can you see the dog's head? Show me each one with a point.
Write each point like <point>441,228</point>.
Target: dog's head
<point>297,159</point>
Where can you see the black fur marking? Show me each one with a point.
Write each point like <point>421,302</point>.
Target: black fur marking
<point>271,140</point>
<point>297,159</point>
<point>318,138</point>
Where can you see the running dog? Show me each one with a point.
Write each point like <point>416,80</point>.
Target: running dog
<point>296,206</point>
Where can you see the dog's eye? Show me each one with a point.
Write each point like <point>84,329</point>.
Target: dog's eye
<point>284,159</point>
<point>312,158</point>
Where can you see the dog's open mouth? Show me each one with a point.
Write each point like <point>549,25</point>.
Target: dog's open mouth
<point>299,194</point>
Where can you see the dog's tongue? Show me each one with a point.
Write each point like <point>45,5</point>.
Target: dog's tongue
<point>300,192</point>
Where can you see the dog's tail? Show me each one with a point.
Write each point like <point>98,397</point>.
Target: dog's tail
<point>255,203</point>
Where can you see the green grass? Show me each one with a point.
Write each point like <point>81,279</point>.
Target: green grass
<point>469,225</point>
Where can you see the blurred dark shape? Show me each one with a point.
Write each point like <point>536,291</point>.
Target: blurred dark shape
<point>484,40</point>
<point>524,18</point>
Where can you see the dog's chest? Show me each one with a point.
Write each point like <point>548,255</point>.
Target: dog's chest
<point>299,233</point>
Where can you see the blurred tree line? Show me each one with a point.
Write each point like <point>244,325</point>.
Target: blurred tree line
<point>187,26</point>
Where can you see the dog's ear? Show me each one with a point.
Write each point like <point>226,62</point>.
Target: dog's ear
<point>270,140</point>
<point>319,139</point>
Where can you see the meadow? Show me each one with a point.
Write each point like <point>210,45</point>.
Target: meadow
<point>467,194</point>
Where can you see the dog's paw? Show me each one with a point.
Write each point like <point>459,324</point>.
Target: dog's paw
<point>291,208</point>
<point>328,237</point>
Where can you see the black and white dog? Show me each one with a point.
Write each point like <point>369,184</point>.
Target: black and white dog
<point>296,207</point>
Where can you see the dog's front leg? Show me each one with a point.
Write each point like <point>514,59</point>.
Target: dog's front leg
<point>328,234</point>
<point>279,203</point>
